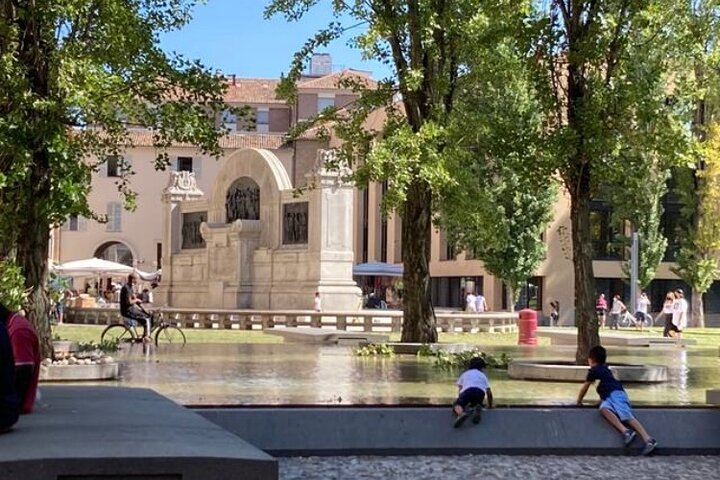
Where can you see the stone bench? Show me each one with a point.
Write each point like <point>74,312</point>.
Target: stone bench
<point>712,397</point>
<point>326,336</point>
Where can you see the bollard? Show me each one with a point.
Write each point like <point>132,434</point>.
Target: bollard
<point>527,327</point>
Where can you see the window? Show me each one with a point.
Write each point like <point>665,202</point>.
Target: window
<point>262,120</point>
<point>113,166</point>
<point>228,120</point>
<point>158,255</point>
<point>185,164</point>
<point>603,233</point>
<point>325,101</point>
<point>530,295</point>
<point>114,217</point>
<point>73,223</point>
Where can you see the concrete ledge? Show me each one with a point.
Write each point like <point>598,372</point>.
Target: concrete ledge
<point>568,372</point>
<point>326,336</point>
<point>75,373</point>
<point>425,430</point>
<point>612,339</point>
<point>713,397</point>
<point>121,433</point>
<point>64,347</point>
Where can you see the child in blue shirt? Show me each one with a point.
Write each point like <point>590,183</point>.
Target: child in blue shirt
<point>615,405</point>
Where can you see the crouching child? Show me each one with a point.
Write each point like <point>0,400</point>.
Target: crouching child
<point>473,387</point>
<point>615,405</point>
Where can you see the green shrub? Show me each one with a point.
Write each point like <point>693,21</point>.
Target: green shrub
<point>375,350</point>
<point>106,346</point>
<point>12,285</point>
<point>461,360</point>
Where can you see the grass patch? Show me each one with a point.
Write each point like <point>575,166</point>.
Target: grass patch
<point>91,333</point>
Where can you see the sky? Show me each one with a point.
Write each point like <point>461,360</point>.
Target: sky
<point>233,36</point>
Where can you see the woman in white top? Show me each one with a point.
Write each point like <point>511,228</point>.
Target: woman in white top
<point>617,308</point>
<point>667,312</point>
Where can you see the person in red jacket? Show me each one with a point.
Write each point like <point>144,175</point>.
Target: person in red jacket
<point>26,351</point>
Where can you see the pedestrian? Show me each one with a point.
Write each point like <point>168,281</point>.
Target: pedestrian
<point>617,308</point>
<point>473,388</point>
<point>667,313</point>
<point>480,303</point>
<point>318,302</point>
<point>601,309</point>
<point>641,312</point>
<point>470,303</point>
<point>9,402</point>
<point>26,354</point>
<point>554,312</point>
<point>680,313</point>
<point>615,405</point>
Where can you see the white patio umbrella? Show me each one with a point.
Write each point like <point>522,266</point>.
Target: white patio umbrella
<point>93,266</point>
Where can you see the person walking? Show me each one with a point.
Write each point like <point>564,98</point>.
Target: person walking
<point>601,307</point>
<point>317,305</point>
<point>667,313</point>
<point>480,303</point>
<point>470,303</point>
<point>641,312</point>
<point>680,313</point>
<point>26,352</point>
<point>617,308</point>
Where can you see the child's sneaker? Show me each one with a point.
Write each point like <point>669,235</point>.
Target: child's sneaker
<point>628,437</point>
<point>461,419</point>
<point>649,447</point>
<point>477,415</point>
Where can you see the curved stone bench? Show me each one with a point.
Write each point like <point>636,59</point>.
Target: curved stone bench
<point>76,373</point>
<point>568,372</point>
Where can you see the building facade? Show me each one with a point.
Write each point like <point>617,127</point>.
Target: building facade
<point>136,238</point>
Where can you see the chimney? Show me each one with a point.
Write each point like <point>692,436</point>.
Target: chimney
<point>320,64</point>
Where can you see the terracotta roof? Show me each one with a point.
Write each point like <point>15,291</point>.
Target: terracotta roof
<point>144,138</point>
<point>331,81</point>
<point>252,90</point>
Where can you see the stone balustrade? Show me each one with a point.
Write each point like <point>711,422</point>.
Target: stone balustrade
<point>363,320</point>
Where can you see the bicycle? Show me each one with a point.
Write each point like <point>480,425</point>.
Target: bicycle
<point>160,331</point>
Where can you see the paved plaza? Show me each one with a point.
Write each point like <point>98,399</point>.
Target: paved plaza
<point>497,467</point>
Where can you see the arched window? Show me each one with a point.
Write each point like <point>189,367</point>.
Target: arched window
<point>116,252</point>
<point>242,201</point>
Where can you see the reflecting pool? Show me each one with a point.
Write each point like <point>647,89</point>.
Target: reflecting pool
<point>222,374</point>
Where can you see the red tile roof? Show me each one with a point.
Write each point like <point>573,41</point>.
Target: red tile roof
<point>331,81</point>
<point>252,90</point>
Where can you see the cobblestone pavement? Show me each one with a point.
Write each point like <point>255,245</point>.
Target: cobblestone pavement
<point>496,467</point>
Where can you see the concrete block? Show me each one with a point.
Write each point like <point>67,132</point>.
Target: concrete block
<point>568,372</point>
<point>713,397</point>
<point>429,430</point>
<point>75,373</point>
<point>123,433</point>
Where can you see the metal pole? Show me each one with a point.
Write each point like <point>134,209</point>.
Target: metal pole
<point>634,267</point>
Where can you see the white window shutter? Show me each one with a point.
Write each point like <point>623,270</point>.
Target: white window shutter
<point>102,169</point>
<point>117,220</point>
<point>65,227</point>
<point>197,166</point>
<point>128,163</point>
<point>82,224</point>
<point>174,164</point>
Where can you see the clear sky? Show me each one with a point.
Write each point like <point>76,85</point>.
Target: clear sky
<point>233,36</point>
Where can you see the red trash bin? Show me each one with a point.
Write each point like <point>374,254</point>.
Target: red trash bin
<point>527,327</point>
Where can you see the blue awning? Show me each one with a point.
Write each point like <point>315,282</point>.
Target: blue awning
<point>377,269</point>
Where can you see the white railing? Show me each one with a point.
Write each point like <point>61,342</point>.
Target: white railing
<point>363,320</point>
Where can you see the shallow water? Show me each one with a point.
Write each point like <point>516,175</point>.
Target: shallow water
<point>215,374</point>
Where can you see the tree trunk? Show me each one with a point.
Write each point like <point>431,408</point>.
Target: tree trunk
<point>510,297</point>
<point>697,310</point>
<point>418,313</point>
<point>585,319</point>
<point>32,249</point>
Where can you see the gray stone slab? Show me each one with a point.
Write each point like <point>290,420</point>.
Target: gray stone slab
<point>425,430</point>
<point>713,397</point>
<point>613,339</point>
<point>79,373</point>
<point>326,336</point>
<point>120,434</point>
<point>528,369</point>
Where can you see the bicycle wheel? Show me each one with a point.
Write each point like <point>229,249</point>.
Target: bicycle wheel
<point>169,334</point>
<point>117,332</point>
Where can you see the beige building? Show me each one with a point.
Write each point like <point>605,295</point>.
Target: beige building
<point>136,238</point>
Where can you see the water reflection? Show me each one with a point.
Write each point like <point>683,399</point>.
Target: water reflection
<point>307,374</point>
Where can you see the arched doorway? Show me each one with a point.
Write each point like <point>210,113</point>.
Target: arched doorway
<point>116,252</point>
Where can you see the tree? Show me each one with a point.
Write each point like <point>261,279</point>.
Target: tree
<point>697,63</point>
<point>424,41</point>
<point>499,204</point>
<point>602,76</point>
<point>76,74</point>
<point>697,260</point>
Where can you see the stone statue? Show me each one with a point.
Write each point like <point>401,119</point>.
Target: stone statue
<point>242,201</point>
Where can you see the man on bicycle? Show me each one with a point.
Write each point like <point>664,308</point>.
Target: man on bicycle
<point>130,307</point>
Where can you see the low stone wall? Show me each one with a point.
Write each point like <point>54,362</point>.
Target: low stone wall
<point>363,320</point>
<point>425,430</point>
<point>566,372</point>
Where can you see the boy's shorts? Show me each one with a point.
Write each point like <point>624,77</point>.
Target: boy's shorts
<point>619,403</point>
<point>473,395</point>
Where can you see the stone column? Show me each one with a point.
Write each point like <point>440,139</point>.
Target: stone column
<point>331,240</point>
<point>181,186</point>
